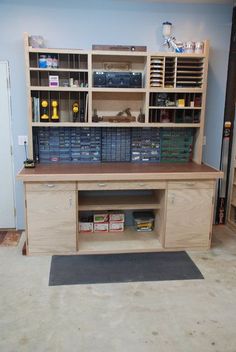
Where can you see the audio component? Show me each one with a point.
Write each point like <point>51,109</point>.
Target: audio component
<point>117,79</point>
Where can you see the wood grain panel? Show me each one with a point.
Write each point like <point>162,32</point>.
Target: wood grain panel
<point>119,171</point>
<point>188,219</point>
<point>51,219</point>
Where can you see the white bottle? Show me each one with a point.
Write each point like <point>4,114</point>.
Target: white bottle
<point>54,62</point>
<point>49,61</point>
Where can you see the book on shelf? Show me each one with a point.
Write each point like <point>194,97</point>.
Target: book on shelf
<point>35,110</point>
<point>86,108</point>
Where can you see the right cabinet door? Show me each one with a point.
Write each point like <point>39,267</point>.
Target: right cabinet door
<point>188,218</point>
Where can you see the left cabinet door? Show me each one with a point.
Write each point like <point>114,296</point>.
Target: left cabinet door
<point>51,218</point>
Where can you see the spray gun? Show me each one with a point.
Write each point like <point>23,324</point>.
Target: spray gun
<point>169,40</point>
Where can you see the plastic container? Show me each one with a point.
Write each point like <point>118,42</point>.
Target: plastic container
<point>189,47</point>
<point>144,221</point>
<point>49,61</point>
<point>199,48</point>
<point>42,61</point>
<point>36,41</point>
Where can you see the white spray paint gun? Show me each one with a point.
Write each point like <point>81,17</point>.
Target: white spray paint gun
<point>169,39</point>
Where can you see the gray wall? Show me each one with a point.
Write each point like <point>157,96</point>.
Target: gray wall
<point>79,24</point>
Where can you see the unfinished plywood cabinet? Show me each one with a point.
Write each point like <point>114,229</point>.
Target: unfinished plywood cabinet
<point>51,217</point>
<point>189,217</point>
<point>180,196</point>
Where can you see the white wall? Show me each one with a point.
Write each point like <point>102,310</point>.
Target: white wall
<point>79,24</point>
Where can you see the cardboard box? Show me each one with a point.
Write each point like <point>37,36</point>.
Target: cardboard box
<point>115,226</point>
<point>181,103</point>
<point>100,218</point>
<point>117,217</point>
<point>85,226</point>
<point>101,227</point>
<point>53,81</point>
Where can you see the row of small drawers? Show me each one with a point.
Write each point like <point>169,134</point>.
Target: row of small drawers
<point>118,185</point>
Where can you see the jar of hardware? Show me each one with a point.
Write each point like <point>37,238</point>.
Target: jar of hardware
<point>199,48</point>
<point>189,47</point>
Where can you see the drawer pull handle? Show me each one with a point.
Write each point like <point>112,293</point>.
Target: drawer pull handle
<point>190,183</point>
<point>49,185</point>
<point>142,184</point>
<point>102,184</point>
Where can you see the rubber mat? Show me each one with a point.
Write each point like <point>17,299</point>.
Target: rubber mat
<point>114,268</point>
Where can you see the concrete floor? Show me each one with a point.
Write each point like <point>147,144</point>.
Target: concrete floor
<point>181,316</point>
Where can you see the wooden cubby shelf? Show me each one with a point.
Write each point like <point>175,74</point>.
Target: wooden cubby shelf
<point>116,242</point>
<point>111,202</point>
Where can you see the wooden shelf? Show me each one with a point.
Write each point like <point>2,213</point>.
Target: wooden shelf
<point>108,202</point>
<point>119,90</point>
<point>61,124</point>
<point>175,90</point>
<point>115,124</point>
<point>58,69</point>
<point>118,53</point>
<point>173,125</point>
<point>88,124</point>
<point>59,89</point>
<point>175,107</point>
<point>118,242</point>
<point>57,51</point>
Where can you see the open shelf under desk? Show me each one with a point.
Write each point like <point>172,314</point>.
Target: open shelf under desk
<point>119,242</point>
<point>109,202</point>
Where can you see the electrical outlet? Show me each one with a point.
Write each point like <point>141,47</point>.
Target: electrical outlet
<point>22,140</point>
<point>204,140</point>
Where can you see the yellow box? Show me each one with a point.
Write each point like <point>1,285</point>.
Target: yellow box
<point>181,103</point>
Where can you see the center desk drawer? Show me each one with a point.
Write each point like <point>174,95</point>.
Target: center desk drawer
<point>94,186</point>
<point>50,186</point>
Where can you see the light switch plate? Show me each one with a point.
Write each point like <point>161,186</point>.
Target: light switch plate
<point>22,140</point>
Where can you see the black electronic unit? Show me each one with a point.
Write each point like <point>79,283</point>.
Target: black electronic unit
<point>117,79</point>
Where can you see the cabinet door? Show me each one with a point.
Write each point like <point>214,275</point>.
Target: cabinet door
<point>189,218</point>
<point>51,221</point>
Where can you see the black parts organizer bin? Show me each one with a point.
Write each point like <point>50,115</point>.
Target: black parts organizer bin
<point>112,144</point>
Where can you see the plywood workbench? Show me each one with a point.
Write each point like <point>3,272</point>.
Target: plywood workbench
<point>181,196</point>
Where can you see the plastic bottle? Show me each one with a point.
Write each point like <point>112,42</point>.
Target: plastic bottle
<point>49,61</point>
<point>54,62</point>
